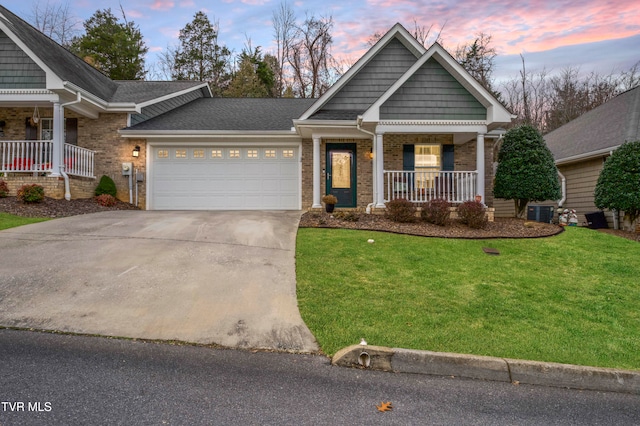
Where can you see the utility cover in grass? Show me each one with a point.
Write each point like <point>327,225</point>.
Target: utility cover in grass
<point>491,251</point>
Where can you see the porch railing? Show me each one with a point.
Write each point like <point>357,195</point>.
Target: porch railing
<point>37,157</point>
<point>422,186</point>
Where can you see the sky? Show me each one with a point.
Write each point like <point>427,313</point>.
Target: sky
<point>592,35</point>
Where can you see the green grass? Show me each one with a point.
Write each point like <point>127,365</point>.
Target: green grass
<point>573,298</point>
<point>11,221</point>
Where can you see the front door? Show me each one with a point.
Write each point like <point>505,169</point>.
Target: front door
<point>341,173</point>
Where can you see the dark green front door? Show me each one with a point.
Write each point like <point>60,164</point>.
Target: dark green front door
<point>341,173</point>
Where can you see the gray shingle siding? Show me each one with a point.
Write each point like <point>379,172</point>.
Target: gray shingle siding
<point>159,108</point>
<point>17,70</point>
<point>373,79</point>
<point>432,94</point>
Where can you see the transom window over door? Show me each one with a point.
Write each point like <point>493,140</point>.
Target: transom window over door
<point>427,164</point>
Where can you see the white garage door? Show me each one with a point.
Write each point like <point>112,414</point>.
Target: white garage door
<point>225,178</point>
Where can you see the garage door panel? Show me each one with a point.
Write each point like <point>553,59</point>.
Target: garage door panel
<point>225,178</point>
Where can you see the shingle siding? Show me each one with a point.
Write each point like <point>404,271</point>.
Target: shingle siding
<point>17,70</point>
<point>373,79</point>
<point>432,94</point>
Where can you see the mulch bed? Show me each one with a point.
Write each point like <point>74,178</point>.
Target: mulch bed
<point>50,207</point>
<point>500,228</point>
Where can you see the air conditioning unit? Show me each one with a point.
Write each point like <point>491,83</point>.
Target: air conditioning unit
<point>540,213</point>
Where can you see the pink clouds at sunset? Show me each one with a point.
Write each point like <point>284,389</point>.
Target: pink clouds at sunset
<point>603,34</point>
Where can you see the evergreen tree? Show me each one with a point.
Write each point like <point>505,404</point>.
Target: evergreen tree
<point>526,169</point>
<point>255,77</point>
<point>115,48</point>
<point>618,186</point>
<point>199,57</point>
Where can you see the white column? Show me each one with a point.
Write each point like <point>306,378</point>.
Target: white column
<point>58,139</point>
<point>374,172</point>
<point>316,173</point>
<point>480,165</point>
<point>379,170</point>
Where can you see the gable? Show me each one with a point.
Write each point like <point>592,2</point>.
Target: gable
<point>17,70</point>
<point>373,79</point>
<point>432,93</point>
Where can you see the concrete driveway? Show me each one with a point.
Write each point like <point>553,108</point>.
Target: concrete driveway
<point>204,277</point>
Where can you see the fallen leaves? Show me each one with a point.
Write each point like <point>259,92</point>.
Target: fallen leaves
<point>384,406</point>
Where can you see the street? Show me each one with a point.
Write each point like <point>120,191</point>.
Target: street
<point>50,379</point>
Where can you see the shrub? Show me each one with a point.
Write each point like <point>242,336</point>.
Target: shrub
<point>436,211</point>
<point>329,199</point>
<point>106,186</point>
<point>106,200</point>
<point>4,189</point>
<point>401,210</point>
<point>472,214</point>
<point>347,216</point>
<point>31,193</point>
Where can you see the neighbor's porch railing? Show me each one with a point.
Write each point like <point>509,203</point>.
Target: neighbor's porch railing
<point>422,186</point>
<point>37,157</point>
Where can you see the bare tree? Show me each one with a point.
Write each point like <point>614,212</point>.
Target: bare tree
<point>477,58</point>
<point>421,33</point>
<point>55,21</point>
<point>284,24</point>
<point>527,96</point>
<point>310,57</point>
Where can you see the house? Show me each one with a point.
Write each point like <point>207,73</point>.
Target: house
<point>403,122</point>
<point>581,147</point>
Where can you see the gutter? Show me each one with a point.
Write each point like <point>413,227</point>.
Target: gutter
<point>373,138</point>
<point>564,189</point>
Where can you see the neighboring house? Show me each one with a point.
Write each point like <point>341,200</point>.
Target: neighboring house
<point>403,122</point>
<point>581,146</point>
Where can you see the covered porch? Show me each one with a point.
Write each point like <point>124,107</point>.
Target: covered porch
<point>37,157</point>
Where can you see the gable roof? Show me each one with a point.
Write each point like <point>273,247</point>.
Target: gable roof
<point>228,114</point>
<point>49,54</point>
<point>397,35</point>
<point>598,131</point>
<point>496,112</point>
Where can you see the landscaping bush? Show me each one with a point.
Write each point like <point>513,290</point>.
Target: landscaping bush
<point>401,210</point>
<point>31,193</point>
<point>106,200</point>
<point>436,211</point>
<point>4,189</point>
<point>472,213</point>
<point>106,186</point>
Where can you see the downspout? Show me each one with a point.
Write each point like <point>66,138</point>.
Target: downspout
<point>65,176</point>
<point>358,122</point>
<point>564,189</point>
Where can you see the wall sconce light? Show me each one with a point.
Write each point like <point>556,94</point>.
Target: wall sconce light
<point>136,152</point>
<point>368,155</point>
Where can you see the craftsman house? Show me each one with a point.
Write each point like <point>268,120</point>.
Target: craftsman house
<point>403,122</point>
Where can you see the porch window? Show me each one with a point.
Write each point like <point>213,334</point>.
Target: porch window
<point>426,162</point>
<point>46,129</point>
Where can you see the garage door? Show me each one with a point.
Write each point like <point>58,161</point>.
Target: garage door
<point>225,178</point>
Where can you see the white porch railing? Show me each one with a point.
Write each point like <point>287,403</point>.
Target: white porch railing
<point>37,157</point>
<point>420,186</point>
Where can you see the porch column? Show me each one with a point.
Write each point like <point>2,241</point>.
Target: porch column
<point>58,139</point>
<point>316,173</point>
<point>480,166</point>
<point>379,170</point>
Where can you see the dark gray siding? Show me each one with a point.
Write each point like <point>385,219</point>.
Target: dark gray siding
<point>17,70</point>
<point>373,79</point>
<point>159,108</point>
<point>432,94</point>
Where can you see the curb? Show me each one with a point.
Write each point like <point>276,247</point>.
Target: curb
<point>488,368</point>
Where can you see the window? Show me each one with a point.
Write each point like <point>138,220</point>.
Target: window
<point>427,162</point>
<point>163,153</point>
<point>46,129</point>
<point>198,153</point>
<point>216,153</point>
<point>234,153</point>
<point>269,153</point>
<point>252,153</point>
<point>287,153</point>
<point>181,153</point>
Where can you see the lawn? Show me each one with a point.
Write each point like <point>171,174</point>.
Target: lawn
<point>573,298</point>
<point>11,221</point>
